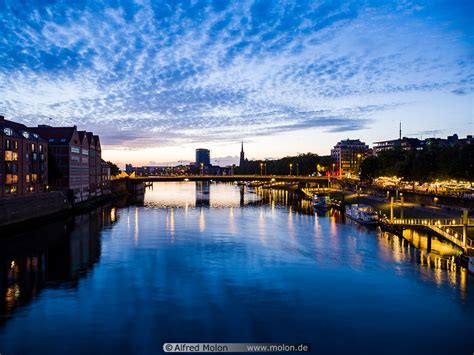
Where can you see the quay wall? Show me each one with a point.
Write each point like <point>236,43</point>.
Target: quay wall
<point>24,208</point>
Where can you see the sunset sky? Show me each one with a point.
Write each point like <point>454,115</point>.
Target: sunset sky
<point>157,79</point>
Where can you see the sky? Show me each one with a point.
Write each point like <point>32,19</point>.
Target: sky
<point>158,79</point>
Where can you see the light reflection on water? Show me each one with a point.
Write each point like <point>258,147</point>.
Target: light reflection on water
<point>217,262</point>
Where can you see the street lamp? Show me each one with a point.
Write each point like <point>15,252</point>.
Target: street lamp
<point>297,170</point>
<point>261,168</point>
<point>358,163</point>
<point>291,167</point>
<point>333,167</point>
<point>202,168</point>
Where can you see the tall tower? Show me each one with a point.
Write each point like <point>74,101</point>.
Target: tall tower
<point>242,155</point>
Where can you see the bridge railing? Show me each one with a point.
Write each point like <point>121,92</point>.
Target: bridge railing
<point>443,227</point>
<point>432,222</point>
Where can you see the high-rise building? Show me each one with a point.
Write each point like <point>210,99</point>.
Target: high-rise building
<point>349,154</point>
<point>203,156</point>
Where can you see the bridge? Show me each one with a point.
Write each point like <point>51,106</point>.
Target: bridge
<point>323,180</point>
<point>447,228</point>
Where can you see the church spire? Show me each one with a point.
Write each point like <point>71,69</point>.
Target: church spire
<point>242,155</point>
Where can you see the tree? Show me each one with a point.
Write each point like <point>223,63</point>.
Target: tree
<point>369,169</point>
<point>114,169</point>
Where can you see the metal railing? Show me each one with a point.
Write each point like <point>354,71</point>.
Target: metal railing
<point>454,222</point>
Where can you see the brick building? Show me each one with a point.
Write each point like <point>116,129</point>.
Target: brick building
<point>69,166</point>
<point>23,160</point>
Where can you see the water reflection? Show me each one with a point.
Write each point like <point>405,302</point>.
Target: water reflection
<point>220,263</point>
<point>54,255</point>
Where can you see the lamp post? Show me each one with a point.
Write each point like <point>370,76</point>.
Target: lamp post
<point>358,162</point>
<point>202,169</point>
<point>297,169</point>
<point>261,168</point>
<point>291,167</point>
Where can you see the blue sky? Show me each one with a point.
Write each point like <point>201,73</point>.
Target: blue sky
<point>157,79</point>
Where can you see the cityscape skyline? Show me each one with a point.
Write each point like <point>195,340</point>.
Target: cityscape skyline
<point>157,80</point>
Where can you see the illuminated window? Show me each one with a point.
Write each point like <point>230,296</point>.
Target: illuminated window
<point>11,179</point>
<point>8,131</point>
<point>8,144</point>
<point>26,135</point>
<point>34,177</point>
<point>15,145</point>
<point>27,178</point>
<point>41,148</point>
<point>33,147</point>
<point>75,150</point>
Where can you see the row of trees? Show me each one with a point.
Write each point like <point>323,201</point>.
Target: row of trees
<point>303,164</point>
<point>425,165</point>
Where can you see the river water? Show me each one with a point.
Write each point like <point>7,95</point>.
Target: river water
<point>200,262</point>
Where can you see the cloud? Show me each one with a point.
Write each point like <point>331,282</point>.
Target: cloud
<point>160,73</point>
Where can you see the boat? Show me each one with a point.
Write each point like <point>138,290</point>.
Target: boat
<point>321,201</point>
<point>362,214</point>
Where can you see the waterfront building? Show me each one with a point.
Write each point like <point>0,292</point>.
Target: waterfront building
<point>23,160</point>
<point>408,144</point>
<point>69,165</point>
<point>105,177</point>
<point>98,165</point>
<point>348,155</point>
<point>203,157</point>
<point>404,143</point>
<point>95,157</point>
<point>84,173</point>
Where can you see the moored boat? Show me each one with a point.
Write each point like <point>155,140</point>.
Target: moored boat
<point>362,214</point>
<point>321,201</point>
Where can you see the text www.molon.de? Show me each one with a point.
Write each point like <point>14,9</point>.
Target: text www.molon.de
<point>235,347</point>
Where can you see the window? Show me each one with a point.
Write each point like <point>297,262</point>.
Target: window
<point>51,140</point>
<point>33,147</point>
<point>11,156</point>
<point>15,145</point>
<point>63,140</point>
<point>75,150</point>
<point>26,135</point>
<point>11,179</point>
<point>11,189</point>
<point>8,144</point>
<point>27,156</point>
<point>27,178</point>
<point>85,152</point>
<point>41,148</point>
<point>35,156</point>
<point>11,167</point>
<point>34,177</point>
<point>8,131</point>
